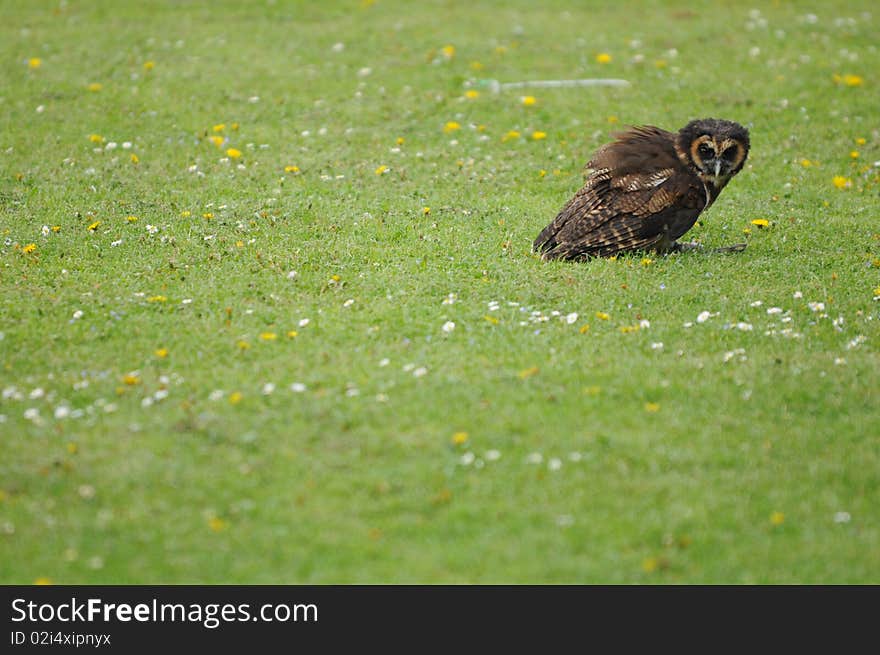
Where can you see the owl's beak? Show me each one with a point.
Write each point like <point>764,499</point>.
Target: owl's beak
<point>717,167</point>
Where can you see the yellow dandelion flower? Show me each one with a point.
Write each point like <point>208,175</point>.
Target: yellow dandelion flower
<point>602,316</point>
<point>56,228</point>
<point>426,210</point>
<point>161,353</point>
<point>208,216</point>
<point>216,140</point>
<point>291,334</point>
<point>130,379</point>
<point>451,126</point>
<point>335,277</point>
<point>491,319</point>
<point>528,101</point>
<point>96,138</point>
<point>291,169</point>
<point>185,213</point>
<point>242,344</point>
<point>528,372</point>
<point>760,222</point>
<point>747,231</point>
<point>132,219</point>
<point>538,135</point>
<point>134,158</point>
<point>400,141</point>
<point>94,226</point>
<point>233,153</point>
<point>542,173</point>
<point>95,87</point>
<point>471,94</point>
<point>652,407</point>
<point>157,299</point>
<point>647,261</point>
<point>861,141</point>
<point>268,336</point>
<point>876,293</point>
<point>29,248</point>
<point>603,58</point>
<point>219,127</point>
<point>34,63</point>
<point>512,134</point>
<point>380,170</point>
<point>448,51</point>
<point>217,524</point>
<point>459,438</point>
<point>235,397</point>
<point>234,127</point>
<point>777,518</point>
<point>854,154</point>
<point>42,581</point>
<point>149,65</point>
<point>239,244</point>
<point>584,328</point>
<point>841,182</point>
<point>853,80</point>
<point>806,163</point>
<point>650,564</point>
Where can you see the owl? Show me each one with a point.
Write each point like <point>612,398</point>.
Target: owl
<point>646,189</point>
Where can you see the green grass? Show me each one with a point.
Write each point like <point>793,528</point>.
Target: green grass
<point>325,486</point>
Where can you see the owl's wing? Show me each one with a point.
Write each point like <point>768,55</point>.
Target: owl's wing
<point>613,213</point>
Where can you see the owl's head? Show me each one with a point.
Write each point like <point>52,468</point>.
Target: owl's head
<point>716,148</point>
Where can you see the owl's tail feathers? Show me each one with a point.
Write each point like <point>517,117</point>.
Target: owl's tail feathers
<point>546,241</point>
<point>550,248</point>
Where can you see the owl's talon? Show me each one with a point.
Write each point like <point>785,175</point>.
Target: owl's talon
<point>736,247</point>
<point>686,246</point>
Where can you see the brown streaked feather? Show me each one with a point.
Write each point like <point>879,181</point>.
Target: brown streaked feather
<point>640,181</point>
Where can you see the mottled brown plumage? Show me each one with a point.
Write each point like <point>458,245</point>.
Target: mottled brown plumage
<point>646,189</point>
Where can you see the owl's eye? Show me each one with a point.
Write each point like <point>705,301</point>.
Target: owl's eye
<point>729,154</point>
<point>705,151</point>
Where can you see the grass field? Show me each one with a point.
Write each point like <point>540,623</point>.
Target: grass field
<point>269,312</point>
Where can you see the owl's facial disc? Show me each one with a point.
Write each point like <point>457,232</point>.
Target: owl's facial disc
<point>716,159</point>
